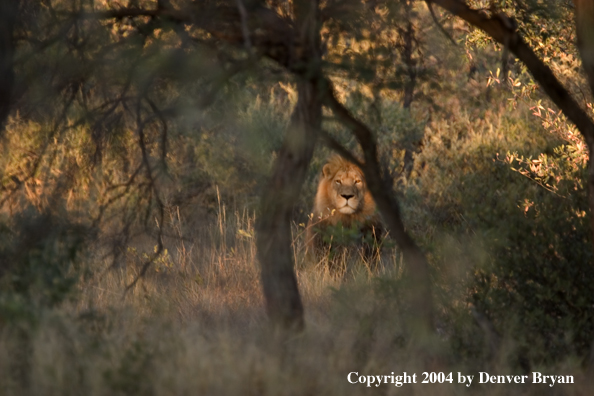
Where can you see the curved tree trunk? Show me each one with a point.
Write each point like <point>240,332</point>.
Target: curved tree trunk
<point>283,302</point>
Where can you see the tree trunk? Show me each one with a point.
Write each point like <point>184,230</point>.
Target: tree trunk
<point>8,15</point>
<point>283,302</point>
<point>584,21</point>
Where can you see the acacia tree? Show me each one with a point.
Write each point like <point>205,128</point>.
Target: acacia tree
<point>293,41</point>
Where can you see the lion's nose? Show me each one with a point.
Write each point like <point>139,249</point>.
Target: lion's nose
<point>347,197</point>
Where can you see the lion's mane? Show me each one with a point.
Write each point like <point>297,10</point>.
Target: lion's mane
<point>339,179</point>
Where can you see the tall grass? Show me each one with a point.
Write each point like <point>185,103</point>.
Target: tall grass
<point>195,325</point>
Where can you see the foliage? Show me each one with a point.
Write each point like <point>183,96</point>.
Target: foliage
<point>340,235</point>
<point>513,230</point>
<point>124,128</point>
<point>40,264</point>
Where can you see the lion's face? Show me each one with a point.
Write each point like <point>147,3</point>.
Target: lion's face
<point>342,194</point>
<point>342,203</point>
<point>347,189</point>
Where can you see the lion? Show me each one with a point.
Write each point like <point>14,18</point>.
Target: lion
<point>343,203</point>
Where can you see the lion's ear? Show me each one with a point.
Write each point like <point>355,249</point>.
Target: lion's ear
<point>327,171</point>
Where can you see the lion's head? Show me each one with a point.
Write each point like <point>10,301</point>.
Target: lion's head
<point>342,194</point>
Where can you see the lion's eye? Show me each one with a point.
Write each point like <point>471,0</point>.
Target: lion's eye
<point>338,182</point>
<point>357,181</point>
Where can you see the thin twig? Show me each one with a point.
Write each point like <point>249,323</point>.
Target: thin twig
<point>153,189</point>
<point>439,25</point>
<point>165,132</point>
<point>244,26</point>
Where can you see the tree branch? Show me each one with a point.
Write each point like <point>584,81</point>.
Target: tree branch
<point>439,25</point>
<point>501,30</point>
<point>269,33</point>
<point>417,267</point>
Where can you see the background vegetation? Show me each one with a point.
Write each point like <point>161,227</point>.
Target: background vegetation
<point>135,152</point>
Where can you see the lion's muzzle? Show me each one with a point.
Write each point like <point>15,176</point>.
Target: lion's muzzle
<point>347,203</point>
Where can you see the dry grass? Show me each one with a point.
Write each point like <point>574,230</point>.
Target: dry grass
<point>195,325</point>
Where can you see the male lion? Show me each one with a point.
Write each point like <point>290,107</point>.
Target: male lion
<point>344,211</point>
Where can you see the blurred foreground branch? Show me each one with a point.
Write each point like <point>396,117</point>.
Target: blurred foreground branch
<point>283,302</point>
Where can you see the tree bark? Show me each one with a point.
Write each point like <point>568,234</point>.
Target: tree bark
<point>8,15</point>
<point>283,302</point>
<point>407,51</point>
